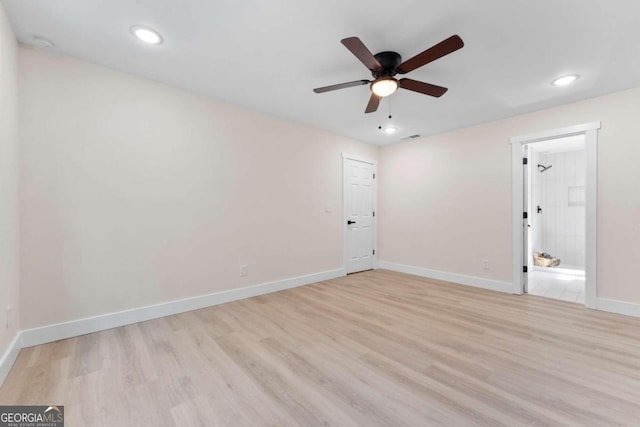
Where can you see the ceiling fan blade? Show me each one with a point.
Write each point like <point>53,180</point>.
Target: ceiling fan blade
<point>443,48</point>
<point>361,52</point>
<point>341,86</point>
<point>373,104</point>
<point>422,87</point>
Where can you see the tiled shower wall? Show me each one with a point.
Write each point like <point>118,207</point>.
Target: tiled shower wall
<point>562,219</point>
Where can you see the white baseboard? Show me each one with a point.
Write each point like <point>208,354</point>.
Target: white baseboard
<point>60,331</point>
<point>9,357</point>
<point>462,279</point>
<point>619,307</point>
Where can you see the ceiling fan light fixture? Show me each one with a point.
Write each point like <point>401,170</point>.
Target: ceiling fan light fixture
<point>565,80</point>
<point>384,86</point>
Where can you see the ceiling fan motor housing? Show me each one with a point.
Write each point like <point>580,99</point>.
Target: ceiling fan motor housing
<point>389,61</point>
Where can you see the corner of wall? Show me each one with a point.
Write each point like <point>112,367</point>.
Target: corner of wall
<point>9,190</point>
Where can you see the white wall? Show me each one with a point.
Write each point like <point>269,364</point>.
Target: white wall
<point>445,200</point>
<point>9,177</point>
<point>137,193</point>
<point>563,226</point>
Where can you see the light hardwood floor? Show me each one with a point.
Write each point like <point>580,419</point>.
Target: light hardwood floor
<point>376,348</point>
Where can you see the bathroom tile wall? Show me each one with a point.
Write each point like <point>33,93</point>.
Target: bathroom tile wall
<point>563,210</point>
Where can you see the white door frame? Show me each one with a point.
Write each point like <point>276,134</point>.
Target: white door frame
<point>345,255</point>
<point>590,131</point>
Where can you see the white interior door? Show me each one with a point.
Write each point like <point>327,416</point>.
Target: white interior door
<point>359,179</point>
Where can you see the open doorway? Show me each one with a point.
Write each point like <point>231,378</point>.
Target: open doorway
<point>556,229</point>
<point>523,208</point>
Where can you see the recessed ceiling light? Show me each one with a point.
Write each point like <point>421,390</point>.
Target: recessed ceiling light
<point>389,130</point>
<point>146,34</point>
<point>565,80</point>
<point>42,42</point>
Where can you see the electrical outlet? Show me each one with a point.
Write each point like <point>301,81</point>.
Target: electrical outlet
<point>243,270</point>
<point>485,264</point>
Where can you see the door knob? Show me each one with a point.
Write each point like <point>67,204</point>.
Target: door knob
<point>350,222</point>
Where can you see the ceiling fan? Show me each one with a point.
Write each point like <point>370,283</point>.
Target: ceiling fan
<point>385,65</point>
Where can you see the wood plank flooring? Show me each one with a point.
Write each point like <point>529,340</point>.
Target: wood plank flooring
<point>372,349</point>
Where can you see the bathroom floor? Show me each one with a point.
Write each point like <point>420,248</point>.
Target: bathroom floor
<point>557,285</point>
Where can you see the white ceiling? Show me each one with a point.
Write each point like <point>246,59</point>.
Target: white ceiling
<point>269,55</point>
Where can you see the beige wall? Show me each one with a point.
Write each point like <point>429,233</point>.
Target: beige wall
<point>445,200</point>
<point>9,213</point>
<point>137,193</point>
